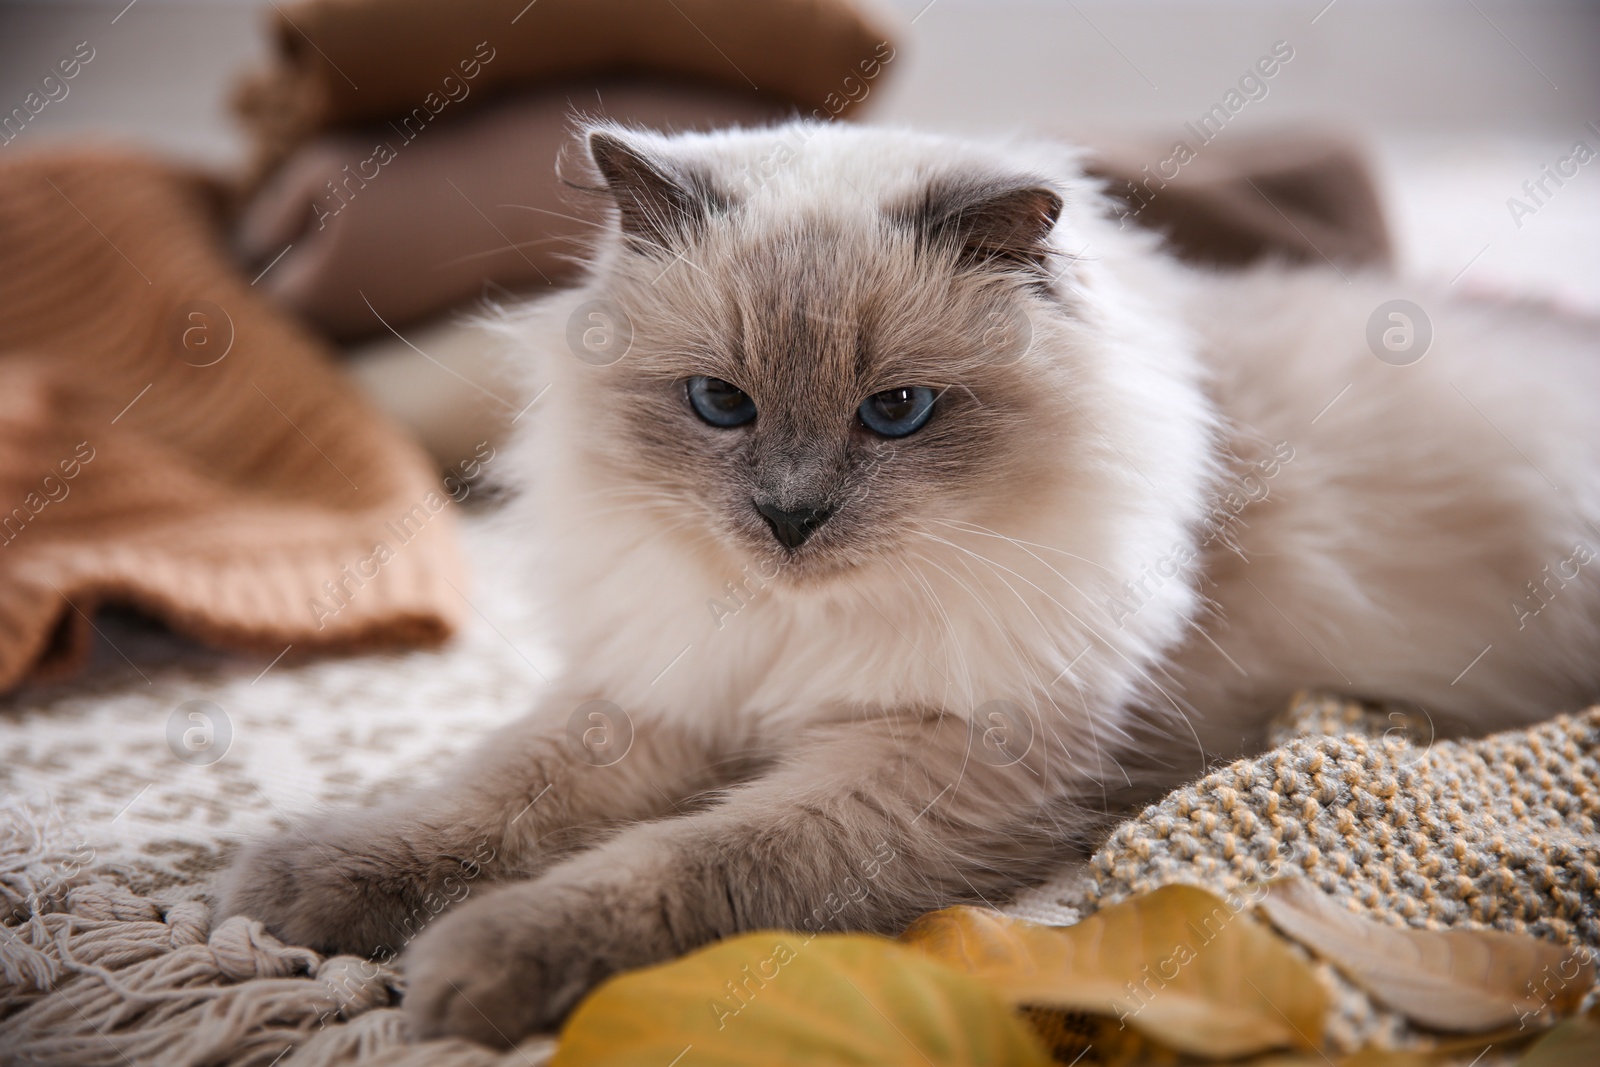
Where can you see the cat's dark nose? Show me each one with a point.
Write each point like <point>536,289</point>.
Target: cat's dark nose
<point>791,528</point>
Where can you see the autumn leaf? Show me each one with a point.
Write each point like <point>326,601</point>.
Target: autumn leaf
<point>1575,1043</point>
<point>1459,981</point>
<point>780,999</point>
<point>1187,969</point>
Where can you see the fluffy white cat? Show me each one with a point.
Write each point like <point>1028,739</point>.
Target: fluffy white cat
<point>902,518</point>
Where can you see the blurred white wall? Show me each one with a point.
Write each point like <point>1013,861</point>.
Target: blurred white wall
<point>161,67</point>
<point>1150,65</point>
<point>159,76</point>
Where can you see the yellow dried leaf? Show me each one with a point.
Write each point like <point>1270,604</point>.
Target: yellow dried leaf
<point>1575,1043</point>
<point>1459,981</point>
<point>780,999</point>
<point>1457,1051</point>
<point>1401,1058</point>
<point>1187,969</point>
<point>1369,1058</point>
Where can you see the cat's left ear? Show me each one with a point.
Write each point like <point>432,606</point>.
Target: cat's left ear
<point>659,200</point>
<point>1004,223</point>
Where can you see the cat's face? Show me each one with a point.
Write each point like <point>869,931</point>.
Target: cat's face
<point>814,384</point>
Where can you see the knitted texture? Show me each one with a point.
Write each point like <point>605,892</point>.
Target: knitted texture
<point>1496,832</point>
<point>110,831</point>
<point>169,440</point>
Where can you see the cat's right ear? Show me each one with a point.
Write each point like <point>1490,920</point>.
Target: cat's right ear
<point>659,201</point>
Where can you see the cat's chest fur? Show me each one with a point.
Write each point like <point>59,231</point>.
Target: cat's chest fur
<point>1005,620</point>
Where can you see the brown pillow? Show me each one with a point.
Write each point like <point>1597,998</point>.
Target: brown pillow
<point>477,205</point>
<point>338,61</point>
<point>452,213</point>
<point>1302,198</point>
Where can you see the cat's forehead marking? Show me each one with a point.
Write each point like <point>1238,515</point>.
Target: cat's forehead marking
<point>815,302</point>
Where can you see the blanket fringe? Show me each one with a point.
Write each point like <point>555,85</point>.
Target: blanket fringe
<point>93,974</point>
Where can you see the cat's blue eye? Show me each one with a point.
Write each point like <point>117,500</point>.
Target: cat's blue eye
<point>720,403</point>
<point>898,412</point>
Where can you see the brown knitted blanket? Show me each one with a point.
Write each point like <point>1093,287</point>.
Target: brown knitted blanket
<point>170,442</point>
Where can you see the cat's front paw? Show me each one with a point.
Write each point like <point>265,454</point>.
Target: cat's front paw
<point>517,960</point>
<point>348,884</point>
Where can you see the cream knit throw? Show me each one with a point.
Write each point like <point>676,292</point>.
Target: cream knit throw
<point>1499,832</point>
<point>110,967</point>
